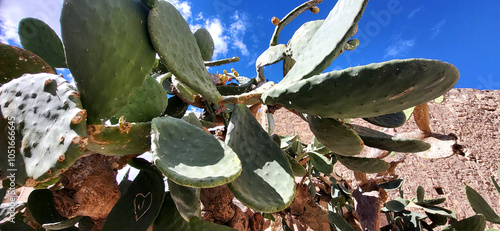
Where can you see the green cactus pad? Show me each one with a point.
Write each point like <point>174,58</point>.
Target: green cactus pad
<point>189,156</point>
<point>236,89</point>
<point>42,207</point>
<point>65,225</point>
<point>301,38</point>
<point>140,205</point>
<point>392,120</point>
<point>479,204</point>
<point>184,91</point>
<point>270,56</point>
<point>48,139</point>
<point>186,199</point>
<point>205,43</point>
<point>474,223</point>
<point>364,165</point>
<point>297,168</point>
<point>367,91</point>
<point>171,219</point>
<point>321,163</point>
<point>176,107</point>
<point>266,183</point>
<point>108,52</point>
<point>329,40</point>
<point>147,103</point>
<point>38,37</point>
<point>117,140</point>
<point>380,140</point>
<point>198,224</point>
<point>15,62</point>
<point>150,3</point>
<point>177,47</point>
<point>336,136</point>
<point>192,119</point>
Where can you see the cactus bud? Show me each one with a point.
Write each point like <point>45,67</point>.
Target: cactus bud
<point>314,9</point>
<point>275,21</point>
<point>225,72</point>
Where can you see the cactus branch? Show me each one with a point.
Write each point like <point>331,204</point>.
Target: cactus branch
<point>222,62</point>
<point>291,16</point>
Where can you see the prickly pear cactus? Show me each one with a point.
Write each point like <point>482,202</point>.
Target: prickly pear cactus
<point>266,183</point>
<point>138,207</point>
<point>338,94</point>
<point>147,103</point>
<point>205,43</point>
<point>163,21</point>
<point>108,52</point>
<point>14,62</point>
<point>110,48</point>
<point>189,156</point>
<point>44,127</point>
<point>38,37</point>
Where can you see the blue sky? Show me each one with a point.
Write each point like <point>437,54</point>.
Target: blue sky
<point>464,33</point>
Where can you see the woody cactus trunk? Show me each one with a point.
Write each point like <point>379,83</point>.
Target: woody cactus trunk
<point>126,102</point>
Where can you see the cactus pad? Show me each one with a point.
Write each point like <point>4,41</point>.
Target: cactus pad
<point>48,138</point>
<point>380,140</point>
<point>177,47</point>
<point>140,205</point>
<point>42,207</point>
<point>392,120</point>
<point>237,89</point>
<point>301,38</point>
<point>121,139</point>
<point>150,3</point>
<point>364,165</point>
<point>147,103</point>
<point>171,219</point>
<point>474,223</point>
<point>270,56</point>
<point>336,136</point>
<point>266,183</point>
<point>186,199</point>
<point>189,156</point>
<point>38,37</point>
<point>205,43</point>
<point>176,107</point>
<point>329,40</point>
<point>367,91</point>
<point>15,62</point>
<point>108,52</point>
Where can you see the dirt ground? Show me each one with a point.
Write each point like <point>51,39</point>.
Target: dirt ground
<point>473,116</point>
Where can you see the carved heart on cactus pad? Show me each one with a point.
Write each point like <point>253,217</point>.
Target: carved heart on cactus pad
<point>142,203</point>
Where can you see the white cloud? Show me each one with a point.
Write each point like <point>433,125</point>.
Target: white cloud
<point>400,47</point>
<point>216,29</point>
<point>414,12</point>
<point>11,12</point>
<point>237,32</point>
<point>184,7</point>
<point>437,28</point>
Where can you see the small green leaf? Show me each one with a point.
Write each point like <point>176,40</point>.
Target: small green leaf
<point>321,163</point>
<point>480,205</point>
<point>474,223</point>
<point>392,185</point>
<point>420,194</point>
<point>397,205</point>
<point>366,165</point>
<point>337,221</point>
<point>497,187</point>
